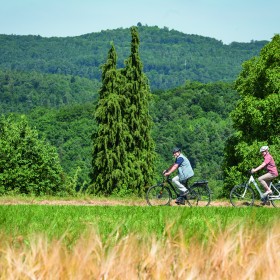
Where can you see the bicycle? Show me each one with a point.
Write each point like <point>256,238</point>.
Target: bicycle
<point>244,195</point>
<point>162,193</point>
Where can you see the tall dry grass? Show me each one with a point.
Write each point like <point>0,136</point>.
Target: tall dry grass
<point>235,253</point>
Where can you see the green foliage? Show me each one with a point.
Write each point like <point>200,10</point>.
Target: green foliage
<point>24,91</point>
<point>256,117</point>
<point>168,56</point>
<point>27,164</point>
<point>69,130</point>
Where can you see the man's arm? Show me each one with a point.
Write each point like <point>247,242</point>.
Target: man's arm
<point>171,169</point>
<point>166,170</point>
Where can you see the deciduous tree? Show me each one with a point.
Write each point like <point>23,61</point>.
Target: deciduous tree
<point>256,117</point>
<point>28,164</point>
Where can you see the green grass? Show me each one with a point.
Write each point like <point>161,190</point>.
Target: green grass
<point>55,221</point>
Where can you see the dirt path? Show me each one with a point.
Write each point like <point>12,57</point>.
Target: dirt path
<point>93,202</point>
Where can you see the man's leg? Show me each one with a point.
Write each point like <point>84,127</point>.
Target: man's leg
<point>180,186</point>
<point>182,189</point>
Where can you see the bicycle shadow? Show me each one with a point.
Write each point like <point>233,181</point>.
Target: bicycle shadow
<point>261,204</point>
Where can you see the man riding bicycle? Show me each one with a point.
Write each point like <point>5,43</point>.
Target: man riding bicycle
<point>185,172</point>
<point>270,166</point>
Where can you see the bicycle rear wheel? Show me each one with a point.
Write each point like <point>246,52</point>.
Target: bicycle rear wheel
<point>276,192</point>
<point>199,195</point>
<point>242,196</point>
<point>158,195</point>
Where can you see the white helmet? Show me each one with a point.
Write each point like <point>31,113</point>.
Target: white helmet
<point>263,149</point>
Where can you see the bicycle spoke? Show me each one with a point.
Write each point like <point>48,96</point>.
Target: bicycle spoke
<point>158,195</point>
<point>199,196</point>
<point>275,201</point>
<point>241,196</point>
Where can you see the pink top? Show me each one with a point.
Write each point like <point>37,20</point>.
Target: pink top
<point>270,164</point>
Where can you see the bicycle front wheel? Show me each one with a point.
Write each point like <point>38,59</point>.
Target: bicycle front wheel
<point>199,196</point>
<point>241,196</point>
<point>158,195</point>
<point>274,201</point>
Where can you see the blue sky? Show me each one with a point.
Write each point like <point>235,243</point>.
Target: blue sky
<point>225,20</point>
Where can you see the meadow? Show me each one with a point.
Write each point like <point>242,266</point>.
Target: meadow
<point>138,242</point>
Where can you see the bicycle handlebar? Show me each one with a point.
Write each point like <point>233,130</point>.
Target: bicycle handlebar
<point>166,178</point>
<point>250,172</point>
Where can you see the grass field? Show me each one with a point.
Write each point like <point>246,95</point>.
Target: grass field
<point>138,242</point>
<point>53,220</point>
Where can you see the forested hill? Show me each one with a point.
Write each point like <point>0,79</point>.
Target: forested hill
<point>169,57</point>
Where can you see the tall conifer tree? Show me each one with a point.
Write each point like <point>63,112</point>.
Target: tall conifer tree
<point>123,150</point>
<point>137,90</point>
<point>109,149</point>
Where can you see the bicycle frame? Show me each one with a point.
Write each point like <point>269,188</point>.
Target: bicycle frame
<point>175,190</point>
<point>172,187</point>
<point>274,197</point>
<point>252,180</point>
<point>270,197</point>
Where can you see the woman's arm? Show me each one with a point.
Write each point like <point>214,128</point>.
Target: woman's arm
<point>259,167</point>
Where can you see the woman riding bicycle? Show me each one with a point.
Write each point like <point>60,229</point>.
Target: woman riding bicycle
<point>270,166</point>
<point>185,172</point>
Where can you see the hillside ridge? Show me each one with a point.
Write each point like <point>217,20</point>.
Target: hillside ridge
<point>169,57</point>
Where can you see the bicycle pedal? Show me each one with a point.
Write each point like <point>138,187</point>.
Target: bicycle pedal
<point>265,203</point>
<point>180,202</point>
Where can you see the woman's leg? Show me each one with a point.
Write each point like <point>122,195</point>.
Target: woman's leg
<point>265,180</point>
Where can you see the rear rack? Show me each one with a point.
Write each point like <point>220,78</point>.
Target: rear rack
<point>204,182</point>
